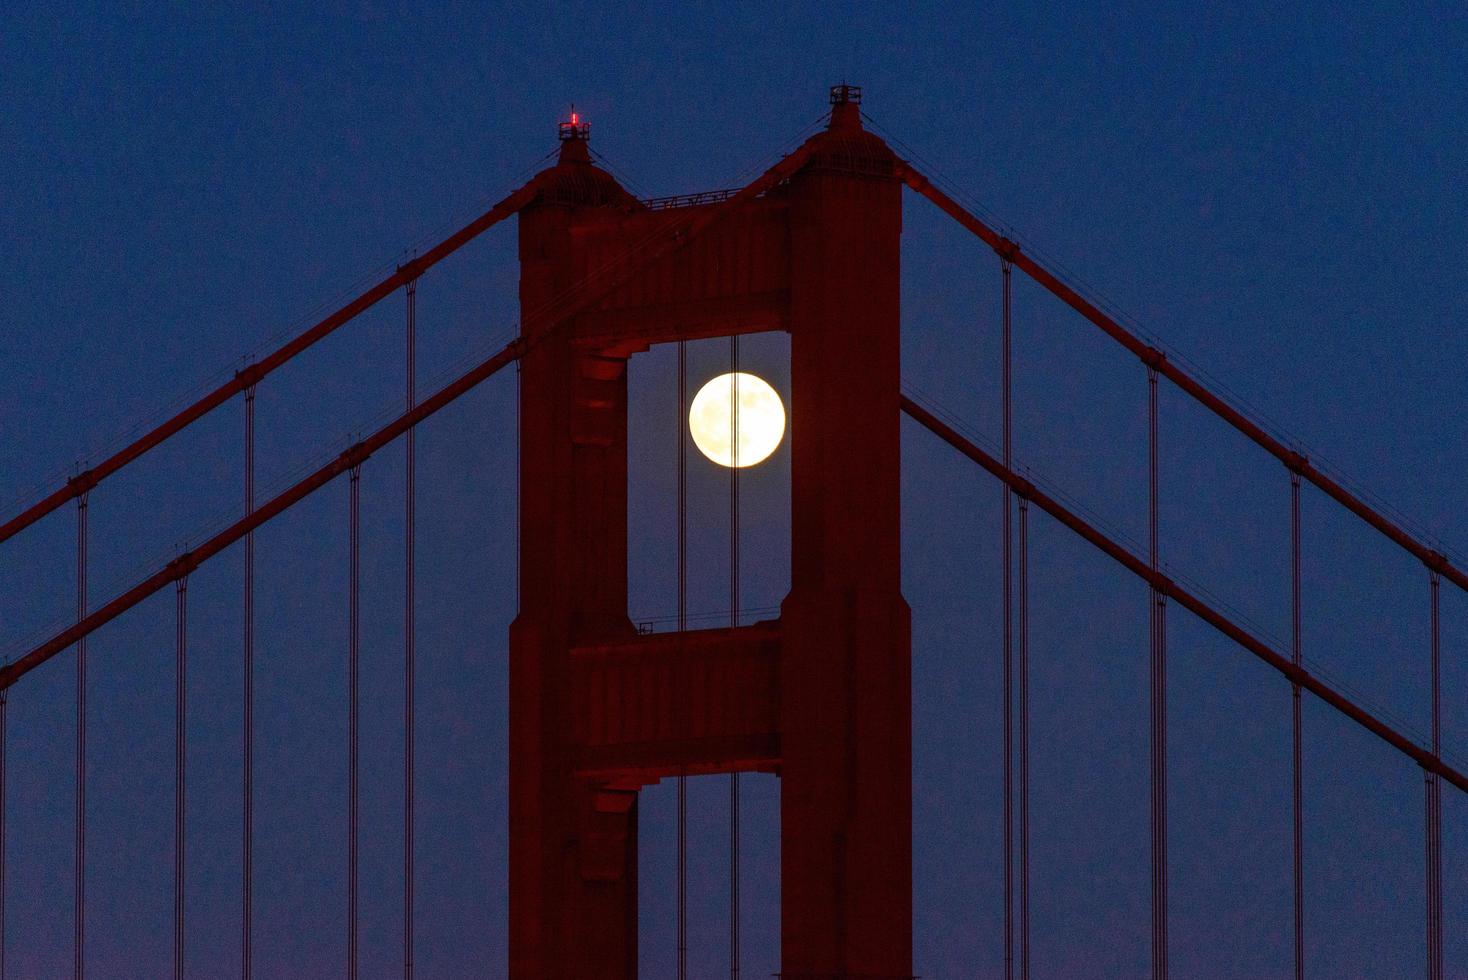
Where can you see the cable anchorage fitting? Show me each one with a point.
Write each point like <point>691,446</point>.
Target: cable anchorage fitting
<point>353,456</point>
<point>1008,249</point>
<point>1296,462</point>
<point>904,172</point>
<point>1295,673</point>
<point>1161,584</point>
<point>410,270</point>
<point>180,567</point>
<point>82,483</point>
<point>1436,562</point>
<point>249,376</point>
<point>1153,358</point>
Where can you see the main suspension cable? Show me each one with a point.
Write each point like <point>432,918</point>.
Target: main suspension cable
<point>79,936</point>
<point>242,380</point>
<point>1178,593</point>
<point>353,520</point>
<point>1387,526</point>
<point>409,578</point>
<point>247,844</point>
<point>180,763</point>
<point>668,243</point>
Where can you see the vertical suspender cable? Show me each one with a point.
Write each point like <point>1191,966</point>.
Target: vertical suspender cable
<point>353,520</point>
<point>1024,738</point>
<point>734,622</point>
<point>1162,778</point>
<point>180,765</point>
<point>1008,719</point>
<point>4,698</point>
<point>682,920</point>
<point>409,578</point>
<point>1159,704</point>
<point>247,856</point>
<point>1434,806</point>
<point>80,917</point>
<point>1298,806</point>
<point>519,393</point>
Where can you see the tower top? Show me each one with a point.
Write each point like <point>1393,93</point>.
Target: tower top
<point>845,106</point>
<point>574,134</point>
<point>575,128</point>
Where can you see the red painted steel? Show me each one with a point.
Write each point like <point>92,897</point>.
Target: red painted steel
<point>595,287</point>
<point>1428,760</point>
<point>646,708</point>
<point>839,687</point>
<point>846,876</point>
<point>573,859</point>
<point>822,695</point>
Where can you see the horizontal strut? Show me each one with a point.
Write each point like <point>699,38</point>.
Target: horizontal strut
<point>1425,758</point>
<point>1157,360</point>
<point>675,238</point>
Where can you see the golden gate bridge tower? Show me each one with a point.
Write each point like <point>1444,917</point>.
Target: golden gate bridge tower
<point>820,696</point>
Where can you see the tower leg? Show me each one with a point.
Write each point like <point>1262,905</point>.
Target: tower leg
<point>573,844</point>
<point>846,740</point>
<point>573,847</point>
<point>846,798</point>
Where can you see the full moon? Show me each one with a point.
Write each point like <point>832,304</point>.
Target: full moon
<point>759,419</point>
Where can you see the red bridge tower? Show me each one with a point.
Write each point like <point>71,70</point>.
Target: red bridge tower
<point>821,696</point>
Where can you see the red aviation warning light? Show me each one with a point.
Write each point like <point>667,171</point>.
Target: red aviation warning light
<point>574,128</point>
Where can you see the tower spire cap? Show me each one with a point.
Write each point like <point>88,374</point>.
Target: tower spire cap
<point>574,133</point>
<point>845,106</point>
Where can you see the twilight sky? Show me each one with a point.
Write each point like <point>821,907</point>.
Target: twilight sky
<point>1277,195</point>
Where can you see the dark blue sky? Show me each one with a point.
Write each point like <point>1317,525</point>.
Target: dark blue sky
<point>1276,194</point>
